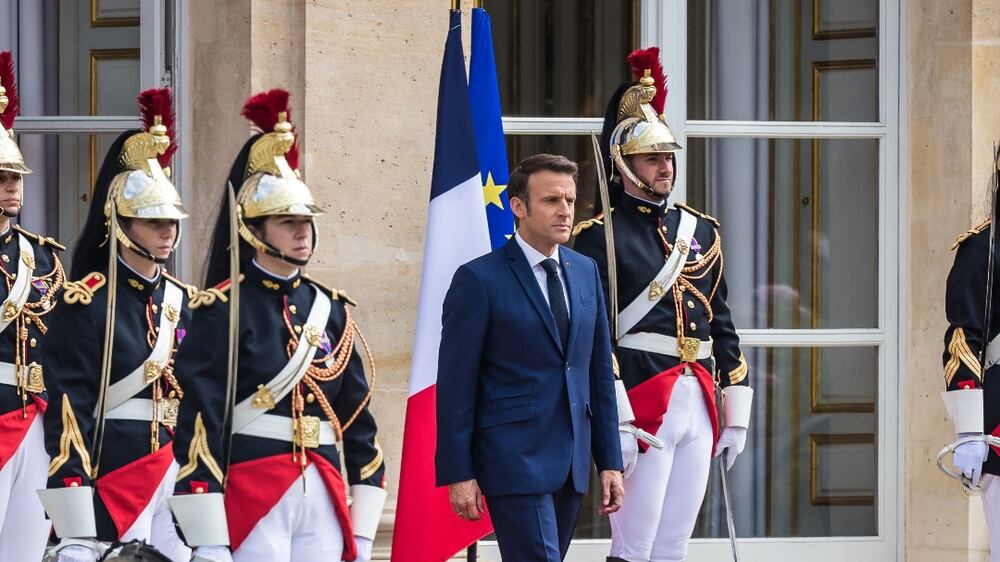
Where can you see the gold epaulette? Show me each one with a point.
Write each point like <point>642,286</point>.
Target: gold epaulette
<point>698,213</point>
<point>192,291</point>
<point>42,240</point>
<point>83,291</point>
<point>335,294</point>
<point>210,295</point>
<point>584,225</point>
<point>970,233</point>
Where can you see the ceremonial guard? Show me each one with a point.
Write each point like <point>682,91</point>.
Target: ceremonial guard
<point>971,392</point>
<point>111,378</point>
<point>262,449</point>
<point>33,279</point>
<point>675,340</point>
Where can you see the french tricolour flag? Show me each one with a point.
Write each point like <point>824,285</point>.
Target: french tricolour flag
<point>426,528</point>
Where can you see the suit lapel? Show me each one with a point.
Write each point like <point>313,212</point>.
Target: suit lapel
<point>574,284</point>
<point>519,264</point>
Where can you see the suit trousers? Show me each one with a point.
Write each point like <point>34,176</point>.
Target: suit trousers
<point>535,527</point>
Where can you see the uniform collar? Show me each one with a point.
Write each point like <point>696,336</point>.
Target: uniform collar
<point>135,281</point>
<point>643,208</point>
<point>257,276</point>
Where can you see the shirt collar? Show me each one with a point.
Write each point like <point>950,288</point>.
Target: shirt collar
<point>534,256</point>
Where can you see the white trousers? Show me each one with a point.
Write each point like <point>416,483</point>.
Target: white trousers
<point>155,524</point>
<point>299,528</point>
<point>665,491</point>
<point>24,530</point>
<point>991,507</point>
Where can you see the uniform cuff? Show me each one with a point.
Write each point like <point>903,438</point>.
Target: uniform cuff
<point>202,519</point>
<point>737,402</point>
<point>366,509</point>
<point>71,510</point>
<point>625,414</point>
<point>965,408</point>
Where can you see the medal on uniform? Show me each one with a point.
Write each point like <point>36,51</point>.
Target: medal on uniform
<point>324,343</point>
<point>41,286</point>
<point>696,247</point>
<point>179,334</point>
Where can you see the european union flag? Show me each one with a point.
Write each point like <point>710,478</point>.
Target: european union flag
<point>485,100</point>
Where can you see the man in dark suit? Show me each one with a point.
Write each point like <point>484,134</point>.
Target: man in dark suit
<point>525,391</point>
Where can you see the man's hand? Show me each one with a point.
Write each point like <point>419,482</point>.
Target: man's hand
<point>613,492</point>
<point>467,499</point>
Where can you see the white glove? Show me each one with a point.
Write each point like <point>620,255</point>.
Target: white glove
<point>364,546</point>
<point>969,457</point>
<point>212,554</point>
<point>732,439</point>
<point>630,448</point>
<point>76,553</point>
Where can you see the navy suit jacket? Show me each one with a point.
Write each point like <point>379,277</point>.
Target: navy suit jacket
<point>515,410</point>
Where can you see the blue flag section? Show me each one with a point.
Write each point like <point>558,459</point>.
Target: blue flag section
<point>454,144</point>
<point>484,96</point>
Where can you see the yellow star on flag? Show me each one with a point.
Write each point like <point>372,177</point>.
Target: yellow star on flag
<point>492,191</point>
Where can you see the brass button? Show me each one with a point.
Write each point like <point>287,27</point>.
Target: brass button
<point>172,394</point>
<point>664,229</point>
<point>74,484</point>
<point>693,326</point>
<point>292,308</point>
<point>683,288</point>
<point>199,490</point>
<point>5,258</point>
<point>155,309</point>
<point>298,329</point>
<point>46,305</point>
<point>310,398</point>
<point>32,342</point>
<point>690,304</point>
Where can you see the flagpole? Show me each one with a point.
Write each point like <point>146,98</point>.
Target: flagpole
<point>456,4</point>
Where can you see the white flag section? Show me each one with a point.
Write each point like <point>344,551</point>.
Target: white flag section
<point>457,232</point>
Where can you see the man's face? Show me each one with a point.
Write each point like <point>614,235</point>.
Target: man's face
<point>292,235</point>
<point>11,192</point>
<point>157,236</point>
<point>548,218</point>
<point>656,170</point>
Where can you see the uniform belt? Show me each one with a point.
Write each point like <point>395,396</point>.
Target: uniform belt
<point>270,426</point>
<point>662,344</point>
<point>138,409</point>
<point>8,374</point>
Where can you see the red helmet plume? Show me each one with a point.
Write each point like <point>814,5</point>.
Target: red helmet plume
<point>10,84</point>
<point>159,101</point>
<point>262,110</point>
<point>649,59</point>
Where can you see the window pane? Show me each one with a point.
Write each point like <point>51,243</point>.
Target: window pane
<point>575,147</point>
<point>80,62</point>
<point>785,60</point>
<point>799,224</point>
<point>561,58</point>
<point>810,465</point>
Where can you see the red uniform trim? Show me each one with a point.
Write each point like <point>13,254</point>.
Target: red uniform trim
<point>651,397</point>
<point>254,487</point>
<point>14,425</point>
<point>127,490</point>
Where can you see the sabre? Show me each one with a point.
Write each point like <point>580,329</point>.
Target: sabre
<point>100,412</point>
<point>232,357</point>
<point>729,505</point>
<point>988,306</point>
<point>609,235</point>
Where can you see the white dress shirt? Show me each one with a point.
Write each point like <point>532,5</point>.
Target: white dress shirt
<point>535,259</point>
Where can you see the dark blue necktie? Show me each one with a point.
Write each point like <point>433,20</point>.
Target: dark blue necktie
<point>557,299</point>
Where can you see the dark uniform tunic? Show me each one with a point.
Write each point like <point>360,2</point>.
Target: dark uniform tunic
<point>46,287</point>
<point>273,311</point>
<point>965,300</point>
<point>695,307</point>
<point>73,373</point>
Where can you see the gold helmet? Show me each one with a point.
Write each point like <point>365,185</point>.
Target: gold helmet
<point>268,182</point>
<point>641,127</point>
<point>138,165</point>
<point>11,159</point>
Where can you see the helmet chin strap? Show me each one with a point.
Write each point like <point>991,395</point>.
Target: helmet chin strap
<point>138,249</point>
<point>270,250</point>
<point>8,214</point>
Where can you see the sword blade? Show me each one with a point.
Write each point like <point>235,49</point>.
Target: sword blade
<point>729,506</point>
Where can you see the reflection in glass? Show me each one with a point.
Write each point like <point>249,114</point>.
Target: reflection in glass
<point>810,465</point>
<point>561,58</point>
<point>800,227</point>
<point>784,60</point>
